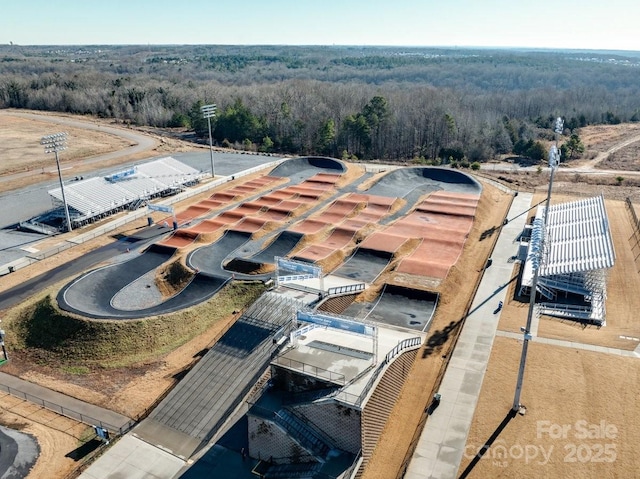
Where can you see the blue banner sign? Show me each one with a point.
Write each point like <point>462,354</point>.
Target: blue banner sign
<point>121,175</point>
<point>298,267</point>
<point>163,208</point>
<point>336,323</point>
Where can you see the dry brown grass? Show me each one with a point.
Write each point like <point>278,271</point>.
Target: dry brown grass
<point>173,276</point>
<point>562,386</point>
<point>56,435</point>
<point>23,157</point>
<point>622,299</point>
<point>600,138</point>
<point>20,147</point>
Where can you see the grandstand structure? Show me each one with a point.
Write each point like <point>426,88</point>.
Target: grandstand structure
<point>95,198</point>
<point>573,254</point>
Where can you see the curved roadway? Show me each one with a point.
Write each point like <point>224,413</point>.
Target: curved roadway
<point>141,142</point>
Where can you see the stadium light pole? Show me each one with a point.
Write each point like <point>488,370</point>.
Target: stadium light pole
<point>54,144</point>
<point>208,112</point>
<point>536,259</point>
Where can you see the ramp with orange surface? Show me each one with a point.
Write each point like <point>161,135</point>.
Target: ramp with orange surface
<point>179,239</point>
<point>338,239</point>
<point>442,222</point>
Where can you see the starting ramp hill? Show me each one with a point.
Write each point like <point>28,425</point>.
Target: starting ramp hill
<point>199,405</point>
<point>398,306</point>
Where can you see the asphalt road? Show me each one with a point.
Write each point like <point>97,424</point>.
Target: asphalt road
<point>24,290</point>
<point>18,453</point>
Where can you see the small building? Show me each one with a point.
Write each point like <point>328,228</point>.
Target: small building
<point>331,392</point>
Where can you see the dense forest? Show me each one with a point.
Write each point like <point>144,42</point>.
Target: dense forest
<point>386,103</point>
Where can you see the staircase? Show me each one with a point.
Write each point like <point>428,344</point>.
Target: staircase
<point>303,434</point>
<point>377,409</point>
<point>337,304</point>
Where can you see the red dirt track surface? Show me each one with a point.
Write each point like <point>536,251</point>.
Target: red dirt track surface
<point>441,222</point>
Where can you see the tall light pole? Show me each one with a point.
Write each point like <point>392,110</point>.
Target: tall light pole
<point>535,257</point>
<point>54,144</point>
<point>208,112</point>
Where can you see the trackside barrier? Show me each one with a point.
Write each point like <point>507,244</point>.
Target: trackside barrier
<point>130,217</point>
<point>304,330</point>
<point>70,413</point>
<point>349,288</point>
<point>495,183</point>
<point>632,210</point>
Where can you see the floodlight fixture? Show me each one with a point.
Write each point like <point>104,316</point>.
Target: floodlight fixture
<point>54,144</point>
<point>559,126</point>
<point>208,112</point>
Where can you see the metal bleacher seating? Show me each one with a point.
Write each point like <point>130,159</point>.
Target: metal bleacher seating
<point>95,198</point>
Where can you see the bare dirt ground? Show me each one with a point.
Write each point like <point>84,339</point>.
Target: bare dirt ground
<point>581,418</point>
<point>57,435</point>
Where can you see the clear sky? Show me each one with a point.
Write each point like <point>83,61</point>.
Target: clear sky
<point>583,24</point>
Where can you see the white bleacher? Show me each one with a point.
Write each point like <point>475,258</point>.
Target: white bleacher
<point>578,238</point>
<point>576,253</point>
<point>96,197</point>
<point>169,171</point>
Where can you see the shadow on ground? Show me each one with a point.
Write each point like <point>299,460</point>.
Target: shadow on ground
<point>84,450</point>
<point>484,449</point>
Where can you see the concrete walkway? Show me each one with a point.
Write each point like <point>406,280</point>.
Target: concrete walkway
<point>573,345</point>
<point>65,405</point>
<point>441,446</point>
<point>132,458</point>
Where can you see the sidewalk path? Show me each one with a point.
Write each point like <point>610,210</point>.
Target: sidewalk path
<point>65,405</point>
<point>573,345</point>
<point>441,445</point>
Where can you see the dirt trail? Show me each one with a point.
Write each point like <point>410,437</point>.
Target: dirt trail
<point>591,164</point>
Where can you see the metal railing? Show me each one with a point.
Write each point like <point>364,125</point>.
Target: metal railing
<point>358,400</point>
<point>70,413</point>
<point>349,288</point>
<point>310,370</point>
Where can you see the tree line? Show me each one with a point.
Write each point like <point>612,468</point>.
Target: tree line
<point>350,102</point>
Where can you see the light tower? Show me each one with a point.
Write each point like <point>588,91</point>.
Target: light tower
<point>54,144</point>
<point>536,252</point>
<point>208,112</point>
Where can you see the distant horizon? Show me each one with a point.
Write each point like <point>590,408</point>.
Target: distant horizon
<point>435,47</point>
<point>547,24</point>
